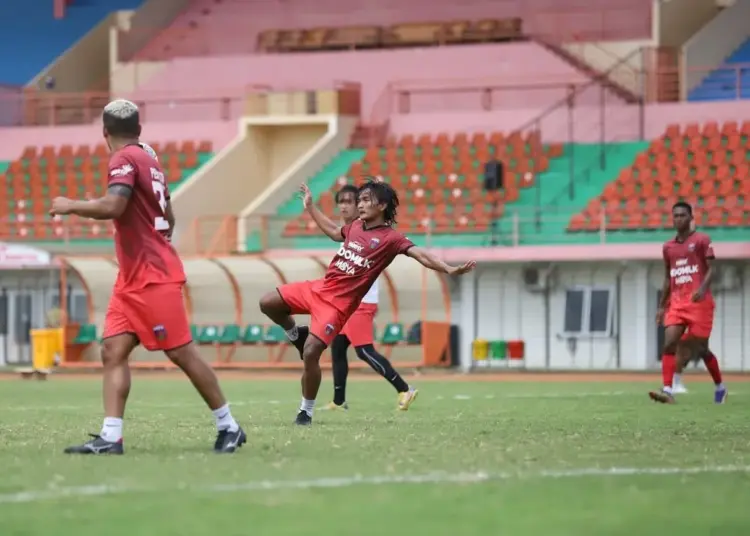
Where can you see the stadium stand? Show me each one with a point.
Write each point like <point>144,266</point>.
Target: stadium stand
<point>706,165</point>
<point>41,173</point>
<point>438,180</point>
<point>730,81</point>
<point>22,28</point>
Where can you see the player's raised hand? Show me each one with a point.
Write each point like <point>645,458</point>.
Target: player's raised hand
<point>306,195</point>
<point>61,206</point>
<point>463,269</point>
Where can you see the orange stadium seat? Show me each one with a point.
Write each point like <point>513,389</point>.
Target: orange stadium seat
<point>706,165</point>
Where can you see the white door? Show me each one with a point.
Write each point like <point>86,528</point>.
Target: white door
<point>4,327</point>
<point>20,323</point>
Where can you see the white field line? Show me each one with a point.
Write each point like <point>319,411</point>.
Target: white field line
<point>145,405</point>
<point>33,496</point>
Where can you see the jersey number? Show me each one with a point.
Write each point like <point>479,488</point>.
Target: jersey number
<point>160,223</point>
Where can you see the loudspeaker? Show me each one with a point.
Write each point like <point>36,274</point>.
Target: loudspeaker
<point>493,175</point>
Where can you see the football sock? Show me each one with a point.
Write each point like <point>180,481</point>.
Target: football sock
<point>112,429</point>
<point>382,366</point>
<point>292,333</point>
<point>340,366</point>
<point>712,364</point>
<point>668,366</point>
<point>224,419</point>
<point>307,406</point>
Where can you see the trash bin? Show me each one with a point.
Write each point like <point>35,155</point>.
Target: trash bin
<point>498,350</point>
<point>479,349</point>
<point>46,344</point>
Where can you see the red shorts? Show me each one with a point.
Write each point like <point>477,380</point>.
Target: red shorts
<point>303,298</point>
<point>155,314</point>
<point>698,317</point>
<point>359,329</point>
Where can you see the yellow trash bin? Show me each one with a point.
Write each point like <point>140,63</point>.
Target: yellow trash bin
<point>480,349</point>
<point>46,344</point>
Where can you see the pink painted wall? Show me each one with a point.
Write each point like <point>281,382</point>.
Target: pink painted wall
<point>13,140</point>
<point>232,26</point>
<point>621,122</point>
<point>515,63</point>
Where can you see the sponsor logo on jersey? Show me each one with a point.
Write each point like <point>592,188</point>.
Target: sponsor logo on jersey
<point>121,171</point>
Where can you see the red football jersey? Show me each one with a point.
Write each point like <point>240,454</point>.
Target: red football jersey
<point>361,258</point>
<point>143,250</point>
<point>688,265</point>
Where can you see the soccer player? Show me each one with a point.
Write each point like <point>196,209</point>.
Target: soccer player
<point>147,305</point>
<point>688,259</point>
<point>359,330</point>
<point>369,245</point>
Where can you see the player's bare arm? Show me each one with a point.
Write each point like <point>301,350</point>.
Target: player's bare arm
<point>706,284</point>
<point>428,260</point>
<point>169,215</point>
<point>328,226</point>
<point>109,207</point>
<point>666,287</point>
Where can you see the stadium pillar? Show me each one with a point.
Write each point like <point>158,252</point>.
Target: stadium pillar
<point>467,317</point>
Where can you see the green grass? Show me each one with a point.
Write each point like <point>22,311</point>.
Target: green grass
<point>505,445</point>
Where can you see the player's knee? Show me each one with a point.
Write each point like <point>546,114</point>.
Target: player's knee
<point>363,352</point>
<point>270,303</point>
<point>180,356</point>
<point>113,353</point>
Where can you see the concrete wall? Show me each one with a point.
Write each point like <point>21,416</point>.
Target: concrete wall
<point>506,310</point>
<point>680,19</point>
<point>261,152</point>
<point>709,47</point>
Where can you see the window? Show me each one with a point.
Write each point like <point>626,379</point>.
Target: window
<point>78,310</point>
<point>588,311</point>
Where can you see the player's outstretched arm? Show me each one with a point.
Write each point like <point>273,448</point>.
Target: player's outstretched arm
<point>109,207</point>
<point>328,226</point>
<point>428,260</point>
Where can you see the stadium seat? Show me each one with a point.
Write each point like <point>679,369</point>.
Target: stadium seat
<point>209,334</point>
<point>230,334</point>
<point>393,334</point>
<point>252,334</point>
<point>274,335</point>
<point>86,334</point>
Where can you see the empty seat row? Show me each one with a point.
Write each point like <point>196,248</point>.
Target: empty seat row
<point>398,35</point>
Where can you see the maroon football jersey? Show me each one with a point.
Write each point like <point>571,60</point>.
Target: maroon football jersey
<point>361,258</point>
<point>688,265</point>
<point>144,252</point>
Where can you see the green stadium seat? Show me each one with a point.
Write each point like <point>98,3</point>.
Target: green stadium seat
<point>86,334</point>
<point>253,334</point>
<point>393,333</point>
<point>230,334</point>
<point>209,335</point>
<point>195,332</point>
<point>274,335</point>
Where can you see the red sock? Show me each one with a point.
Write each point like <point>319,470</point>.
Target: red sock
<point>668,367</point>
<point>712,364</point>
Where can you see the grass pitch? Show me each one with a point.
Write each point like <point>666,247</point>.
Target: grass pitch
<point>469,458</point>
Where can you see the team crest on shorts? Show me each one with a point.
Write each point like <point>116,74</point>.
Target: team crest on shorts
<point>329,329</point>
<point>374,242</point>
<point>160,332</point>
